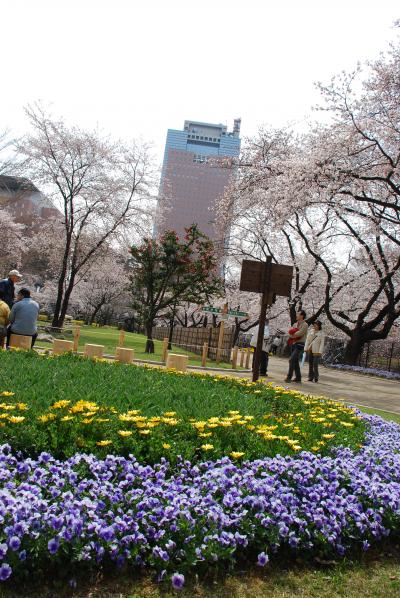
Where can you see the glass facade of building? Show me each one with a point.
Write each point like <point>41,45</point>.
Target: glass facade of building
<point>195,174</point>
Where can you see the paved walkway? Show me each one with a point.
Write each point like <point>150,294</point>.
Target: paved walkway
<point>357,389</point>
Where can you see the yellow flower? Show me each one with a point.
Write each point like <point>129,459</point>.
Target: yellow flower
<point>45,418</point>
<point>236,455</point>
<point>102,420</point>
<point>328,436</point>
<point>16,419</point>
<point>7,393</point>
<point>87,421</point>
<point>125,433</point>
<point>200,424</point>
<point>169,413</point>
<point>60,404</point>
<point>205,434</point>
<point>166,445</point>
<point>347,424</point>
<point>213,425</point>
<point>233,412</point>
<point>104,442</point>
<point>207,447</point>
<point>67,418</point>
<point>84,406</point>
<point>22,406</point>
<point>133,411</point>
<point>144,432</point>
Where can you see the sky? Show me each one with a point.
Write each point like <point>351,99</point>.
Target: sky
<point>135,68</point>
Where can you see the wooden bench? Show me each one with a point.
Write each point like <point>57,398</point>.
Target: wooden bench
<point>124,355</point>
<point>62,346</point>
<point>19,341</point>
<point>93,350</point>
<point>177,362</point>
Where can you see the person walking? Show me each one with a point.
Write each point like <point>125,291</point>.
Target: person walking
<point>7,286</point>
<point>264,352</point>
<point>23,316</point>
<point>297,339</point>
<point>276,342</point>
<point>314,347</point>
<point>4,319</point>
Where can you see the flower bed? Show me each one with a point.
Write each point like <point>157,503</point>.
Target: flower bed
<point>90,511</point>
<point>154,414</point>
<point>370,371</point>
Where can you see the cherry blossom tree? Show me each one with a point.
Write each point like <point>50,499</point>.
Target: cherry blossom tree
<point>101,188</point>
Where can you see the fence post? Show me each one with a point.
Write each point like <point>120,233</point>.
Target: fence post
<point>220,340</point>
<point>241,357</point>
<point>234,357</point>
<point>204,355</point>
<point>121,339</point>
<point>248,359</point>
<point>77,333</point>
<point>165,349</point>
<point>390,357</point>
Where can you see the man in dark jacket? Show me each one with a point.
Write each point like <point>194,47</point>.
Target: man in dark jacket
<point>7,286</point>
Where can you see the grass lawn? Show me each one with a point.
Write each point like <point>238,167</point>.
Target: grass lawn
<point>375,575</point>
<point>384,414</point>
<point>108,336</point>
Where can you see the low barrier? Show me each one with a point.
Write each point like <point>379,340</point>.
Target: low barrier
<point>67,339</point>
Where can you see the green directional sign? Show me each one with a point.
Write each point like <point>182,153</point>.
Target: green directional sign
<point>237,314</point>
<point>212,310</point>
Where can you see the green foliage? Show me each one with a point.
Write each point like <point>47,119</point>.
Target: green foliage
<point>70,404</point>
<point>169,271</point>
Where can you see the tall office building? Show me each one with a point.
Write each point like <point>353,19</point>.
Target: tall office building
<point>195,174</point>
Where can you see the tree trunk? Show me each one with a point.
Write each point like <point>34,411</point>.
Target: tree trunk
<point>353,349</point>
<point>95,312</point>
<point>149,341</point>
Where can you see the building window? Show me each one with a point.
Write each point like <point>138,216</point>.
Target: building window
<point>200,159</point>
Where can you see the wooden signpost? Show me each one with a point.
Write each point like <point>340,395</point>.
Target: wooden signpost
<point>269,280</point>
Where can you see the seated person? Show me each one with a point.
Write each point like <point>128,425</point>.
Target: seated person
<point>4,315</point>
<point>23,316</point>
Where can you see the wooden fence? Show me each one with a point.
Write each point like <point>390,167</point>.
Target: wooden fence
<point>193,339</point>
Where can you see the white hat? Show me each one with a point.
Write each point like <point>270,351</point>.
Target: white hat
<point>14,273</point>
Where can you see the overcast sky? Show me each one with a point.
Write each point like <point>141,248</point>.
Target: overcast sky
<point>139,67</point>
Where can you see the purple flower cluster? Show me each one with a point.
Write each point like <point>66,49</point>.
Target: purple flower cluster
<point>170,519</point>
<point>362,370</point>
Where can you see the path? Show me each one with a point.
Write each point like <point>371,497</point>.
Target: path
<point>359,389</point>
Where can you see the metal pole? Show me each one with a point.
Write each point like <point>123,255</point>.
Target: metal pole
<point>265,299</point>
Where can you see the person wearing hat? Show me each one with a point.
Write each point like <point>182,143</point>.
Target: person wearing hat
<point>7,286</point>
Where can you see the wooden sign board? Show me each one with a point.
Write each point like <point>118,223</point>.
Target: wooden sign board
<point>253,274</point>
<point>281,279</point>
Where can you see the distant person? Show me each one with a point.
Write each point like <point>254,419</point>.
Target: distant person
<point>264,351</point>
<point>7,286</point>
<point>4,319</point>
<point>297,339</point>
<point>23,316</point>
<point>276,343</point>
<point>314,347</point>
